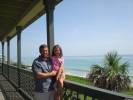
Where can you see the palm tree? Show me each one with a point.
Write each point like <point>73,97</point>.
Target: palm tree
<point>113,75</point>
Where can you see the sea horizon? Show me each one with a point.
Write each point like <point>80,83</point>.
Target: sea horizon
<point>80,65</point>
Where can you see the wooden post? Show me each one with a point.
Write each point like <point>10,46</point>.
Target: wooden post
<point>8,55</point>
<point>2,56</point>
<point>49,7</point>
<point>18,29</point>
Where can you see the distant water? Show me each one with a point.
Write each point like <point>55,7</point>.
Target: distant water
<point>80,65</point>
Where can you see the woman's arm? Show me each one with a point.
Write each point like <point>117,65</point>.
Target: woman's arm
<point>61,70</point>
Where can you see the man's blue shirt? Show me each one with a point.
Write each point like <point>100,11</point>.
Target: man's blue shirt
<point>42,65</point>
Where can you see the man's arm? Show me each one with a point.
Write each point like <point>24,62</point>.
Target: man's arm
<point>41,75</point>
<point>37,70</point>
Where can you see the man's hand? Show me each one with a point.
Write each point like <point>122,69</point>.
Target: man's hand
<point>53,73</point>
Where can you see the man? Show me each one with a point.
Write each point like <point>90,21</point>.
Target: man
<point>43,75</point>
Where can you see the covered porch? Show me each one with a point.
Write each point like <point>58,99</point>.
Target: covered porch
<point>16,83</point>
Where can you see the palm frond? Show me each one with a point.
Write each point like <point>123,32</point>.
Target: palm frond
<point>113,75</point>
<point>124,68</point>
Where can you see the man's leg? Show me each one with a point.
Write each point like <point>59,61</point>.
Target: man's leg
<point>51,95</point>
<point>41,96</point>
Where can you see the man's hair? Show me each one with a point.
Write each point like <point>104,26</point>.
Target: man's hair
<point>42,46</point>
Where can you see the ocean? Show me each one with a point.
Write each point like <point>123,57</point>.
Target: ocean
<point>80,65</point>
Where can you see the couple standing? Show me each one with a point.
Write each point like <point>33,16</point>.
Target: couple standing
<point>48,74</point>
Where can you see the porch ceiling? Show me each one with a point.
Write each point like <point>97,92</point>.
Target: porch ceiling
<point>18,13</point>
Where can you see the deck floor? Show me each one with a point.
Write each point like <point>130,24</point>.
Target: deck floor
<point>1,95</point>
<point>8,90</point>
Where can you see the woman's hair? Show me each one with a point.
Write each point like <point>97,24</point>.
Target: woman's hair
<point>57,46</point>
<point>42,46</point>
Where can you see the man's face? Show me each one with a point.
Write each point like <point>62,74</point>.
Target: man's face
<point>44,52</point>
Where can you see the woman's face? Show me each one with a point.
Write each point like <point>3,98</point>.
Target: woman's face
<point>57,52</point>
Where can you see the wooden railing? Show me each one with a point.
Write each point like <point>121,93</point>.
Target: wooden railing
<point>22,80</point>
<point>75,91</point>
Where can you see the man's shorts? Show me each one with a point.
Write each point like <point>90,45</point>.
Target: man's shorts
<point>44,96</point>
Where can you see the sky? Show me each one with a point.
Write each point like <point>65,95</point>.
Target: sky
<point>83,28</point>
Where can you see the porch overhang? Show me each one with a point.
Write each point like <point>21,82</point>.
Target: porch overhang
<point>22,13</point>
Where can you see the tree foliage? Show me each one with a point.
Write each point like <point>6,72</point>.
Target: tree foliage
<point>113,75</point>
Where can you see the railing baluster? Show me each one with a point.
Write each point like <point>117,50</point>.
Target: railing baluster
<point>93,98</point>
<point>85,97</point>
<point>78,98</point>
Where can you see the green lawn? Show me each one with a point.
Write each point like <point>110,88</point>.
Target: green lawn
<point>77,79</point>
<point>129,92</point>
<point>86,82</point>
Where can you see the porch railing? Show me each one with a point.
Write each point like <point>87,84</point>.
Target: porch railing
<point>72,91</point>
